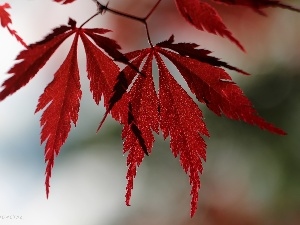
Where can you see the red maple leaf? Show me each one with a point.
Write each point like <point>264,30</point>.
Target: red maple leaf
<point>6,20</point>
<point>142,111</point>
<point>205,17</point>
<point>4,15</point>
<point>62,96</point>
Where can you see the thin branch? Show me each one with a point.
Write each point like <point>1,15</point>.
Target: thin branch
<point>103,8</point>
<point>129,16</point>
<point>152,10</point>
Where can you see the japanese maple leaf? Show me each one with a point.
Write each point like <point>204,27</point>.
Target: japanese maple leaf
<point>205,17</point>
<point>4,15</point>
<point>61,98</point>
<point>6,20</point>
<point>142,111</point>
<point>257,5</point>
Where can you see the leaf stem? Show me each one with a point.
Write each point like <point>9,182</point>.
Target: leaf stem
<point>96,14</point>
<point>148,35</point>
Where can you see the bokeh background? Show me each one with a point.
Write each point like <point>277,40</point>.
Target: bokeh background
<point>251,177</point>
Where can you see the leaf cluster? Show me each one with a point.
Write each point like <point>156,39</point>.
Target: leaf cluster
<point>129,94</point>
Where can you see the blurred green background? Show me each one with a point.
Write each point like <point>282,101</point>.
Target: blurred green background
<point>251,177</point>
